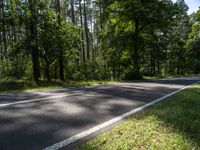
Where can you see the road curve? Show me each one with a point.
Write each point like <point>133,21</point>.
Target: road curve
<point>36,120</point>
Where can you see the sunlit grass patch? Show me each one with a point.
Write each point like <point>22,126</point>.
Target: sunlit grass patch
<point>171,124</point>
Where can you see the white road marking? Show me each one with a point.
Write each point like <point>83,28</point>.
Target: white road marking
<point>38,99</point>
<point>108,123</point>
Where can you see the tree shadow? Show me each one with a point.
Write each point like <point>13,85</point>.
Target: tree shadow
<point>39,124</point>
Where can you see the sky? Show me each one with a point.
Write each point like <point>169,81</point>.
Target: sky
<point>192,4</point>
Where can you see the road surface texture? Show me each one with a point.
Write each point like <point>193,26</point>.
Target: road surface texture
<point>36,120</point>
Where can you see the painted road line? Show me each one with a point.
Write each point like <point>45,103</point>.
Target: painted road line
<point>108,123</point>
<point>39,99</point>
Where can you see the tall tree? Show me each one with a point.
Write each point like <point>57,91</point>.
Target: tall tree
<point>4,24</point>
<point>60,50</point>
<point>86,30</point>
<point>33,39</point>
<point>135,17</point>
<point>72,12</point>
<point>193,45</point>
<point>82,34</point>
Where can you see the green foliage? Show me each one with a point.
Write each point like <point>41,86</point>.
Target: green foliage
<point>135,28</point>
<point>98,40</point>
<point>193,45</point>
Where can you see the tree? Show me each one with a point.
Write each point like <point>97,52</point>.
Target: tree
<point>82,34</point>
<point>41,39</point>
<point>60,51</point>
<point>33,39</point>
<point>180,32</point>
<point>193,44</point>
<point>135,17</point>
<point>86,30</point>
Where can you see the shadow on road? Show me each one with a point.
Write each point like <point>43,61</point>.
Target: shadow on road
<point>43,123</point>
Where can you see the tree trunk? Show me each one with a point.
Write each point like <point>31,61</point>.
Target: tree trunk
<point>100,13</point>
<point>47,72</point>
<point>47,64</point>
<point>86,32</point>
<point>82,35</point>
<point>91,35</point>
<point>136,48</point>
<point>1,47</point>
<point>55,72</point>
<point>158,66</point>
<point>4,26</point>
<point>33,45</point>
<point>1,36</point>
<point>153,67</point>
<point>178,69</point>
<point>72,12</point>
<point>60,55</point>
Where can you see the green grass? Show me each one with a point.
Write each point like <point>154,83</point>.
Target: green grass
<point>26,86</point>
<point>173,124</point>
<point>21,86</point>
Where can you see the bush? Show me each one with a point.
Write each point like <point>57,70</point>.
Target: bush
<point>133,76</point>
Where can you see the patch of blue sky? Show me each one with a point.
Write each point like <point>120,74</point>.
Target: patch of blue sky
<point>192,4</point>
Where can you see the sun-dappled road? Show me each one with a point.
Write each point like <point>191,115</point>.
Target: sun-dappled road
<point>36,120</point>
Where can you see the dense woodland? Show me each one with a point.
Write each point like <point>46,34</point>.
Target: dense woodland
<point>97,39</point>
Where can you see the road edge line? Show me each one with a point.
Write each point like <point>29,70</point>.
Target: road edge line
<point>110,122</point>
<point>38,99</point>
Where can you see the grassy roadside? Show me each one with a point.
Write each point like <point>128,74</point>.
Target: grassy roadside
<point>170,124</point>
<point>26,86</point>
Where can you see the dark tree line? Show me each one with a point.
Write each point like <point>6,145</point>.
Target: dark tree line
<point>97,39</point>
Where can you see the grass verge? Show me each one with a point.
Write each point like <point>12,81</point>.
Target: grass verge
<point>26,86</point>
<point>171,124</point>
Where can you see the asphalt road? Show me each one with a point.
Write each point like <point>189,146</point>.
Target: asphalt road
<point>36,120</point>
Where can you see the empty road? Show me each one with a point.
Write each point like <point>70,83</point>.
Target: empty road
<point>36,120</point>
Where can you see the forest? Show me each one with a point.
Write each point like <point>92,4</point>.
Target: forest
<point>82,40</point>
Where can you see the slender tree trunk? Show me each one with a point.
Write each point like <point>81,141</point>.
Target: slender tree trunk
<point>33,35</point>
<point>136,48</point>
<point>1,47</point>
<point>180,60</point>
<point>1,35</point>
<point>14,36</point>
<point>153,67</point>
<point>158,65</point>
<point>4,26</point>
<point>100,12</point>
<point>91,35</point>
<point>55,72</point>
<point>82,35</point>
<point>72,12</point>
<point>60,57</point>
<point>178,69</point>
<point>47,73</point>
<point>47,64</point>
<point>86,31</point>
<point>114,71</point>
<point>76,60</point>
